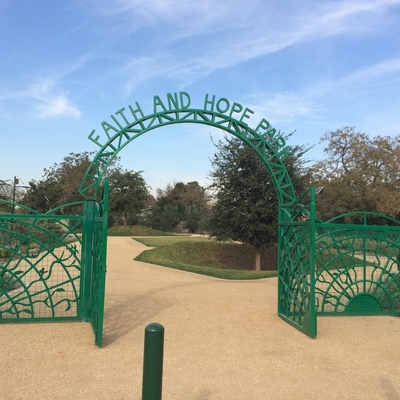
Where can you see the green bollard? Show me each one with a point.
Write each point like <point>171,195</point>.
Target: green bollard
<point>153,362</point>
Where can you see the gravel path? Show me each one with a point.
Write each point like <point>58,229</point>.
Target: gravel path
<point>223,340</point>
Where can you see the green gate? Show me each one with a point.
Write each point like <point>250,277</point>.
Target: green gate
<point>98,266</point>
<point>40,266</point>
<point>348,265</point>
<point>357,267</point>
<point>52,266</point>
<point>296,303</point>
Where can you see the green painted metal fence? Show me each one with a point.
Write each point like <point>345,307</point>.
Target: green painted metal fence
<point>296,303</point>
<point>98,272</point>
<point>40,267</point>
<point>357,267</point>
<point>346,266</point>
<point>52,266</point>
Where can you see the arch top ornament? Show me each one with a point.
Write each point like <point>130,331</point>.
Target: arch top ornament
<point>130,122</point>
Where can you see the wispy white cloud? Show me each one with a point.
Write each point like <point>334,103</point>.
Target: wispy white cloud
<point>256,33</point>
<point>142,69</point>
<point>305,19</point>
<point>314,101</point>
<point>377,77</point>
<point>281,107</point>
<point>186,18</point>
<point>44,96</point>
<point>184,72</point>
<point>49,104</point>
<point>44,100</point>
<point>308,21</point>
<point>278,107</point>
<point>57,106</point>
<point>345,17</point>
<point>374,71</point>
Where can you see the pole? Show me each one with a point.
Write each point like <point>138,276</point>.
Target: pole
<point>153,362</point>
<point>16,181</point>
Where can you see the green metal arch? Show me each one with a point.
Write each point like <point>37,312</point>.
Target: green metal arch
<point>269,147</point>
<point>52,211</point>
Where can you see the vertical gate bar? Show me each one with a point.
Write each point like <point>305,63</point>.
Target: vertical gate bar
<point>364,253</point>
<point>283,228</point>
<point>101,267</point>
<point>280,262</point>
<point>313,313</point>
<point>88,259</point>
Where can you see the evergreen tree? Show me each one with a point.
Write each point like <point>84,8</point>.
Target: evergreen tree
<point>246,208</point>
<point>128,193</point>
<point>59,185</point>
<point>179,203</point>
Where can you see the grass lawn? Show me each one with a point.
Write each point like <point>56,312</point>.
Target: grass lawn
<point>205,256</point>
<point>136,230</point>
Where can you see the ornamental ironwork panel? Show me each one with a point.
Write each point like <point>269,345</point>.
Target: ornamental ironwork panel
<point>296,265</point>
<point>99,267</point>
<point>53,267</point>
<point>357,265</point>
<point>40,267</point>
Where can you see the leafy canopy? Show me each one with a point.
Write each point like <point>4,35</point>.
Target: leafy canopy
<point>128,193</point>
<point>60,186</point>
<point>246,208</point>
<point>179,203</point>
<point>358,172</point>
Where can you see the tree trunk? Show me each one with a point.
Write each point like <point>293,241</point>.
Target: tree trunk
<point>125,218</point>
<point>258,258</point>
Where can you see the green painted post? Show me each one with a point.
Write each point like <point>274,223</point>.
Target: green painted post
<point>86,272</point>
<point>153,362</point>
<point>312,329</point>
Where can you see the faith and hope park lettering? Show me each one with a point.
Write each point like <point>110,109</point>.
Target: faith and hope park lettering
<point>130,121</point>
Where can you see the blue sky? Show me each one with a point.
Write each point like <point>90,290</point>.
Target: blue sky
<point>310,66</point>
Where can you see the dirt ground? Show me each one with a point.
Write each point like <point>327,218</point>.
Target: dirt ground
<point>223,340</point>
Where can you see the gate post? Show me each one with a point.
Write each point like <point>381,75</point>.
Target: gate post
<point>312,314</point>
<point>87,252</point>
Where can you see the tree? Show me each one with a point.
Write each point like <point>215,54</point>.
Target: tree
<point>5,190</point>
<point>59,185</point>
<point>188,194</point>
<point>5,193</point>
<point>246,208</point>
<point>358,173</point>
<point>193,216</point>
<point>186,203</point>
<point>128,193</point>
<point>165,215</point>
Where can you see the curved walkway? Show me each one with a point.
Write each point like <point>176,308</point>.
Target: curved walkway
<point>223,340</point>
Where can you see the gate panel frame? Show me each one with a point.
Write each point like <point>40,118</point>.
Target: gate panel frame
<point>89,249</point>
<point>99,265</point>
<point>45,265</point>
<point>296,265</point>
<point>361,271</point>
